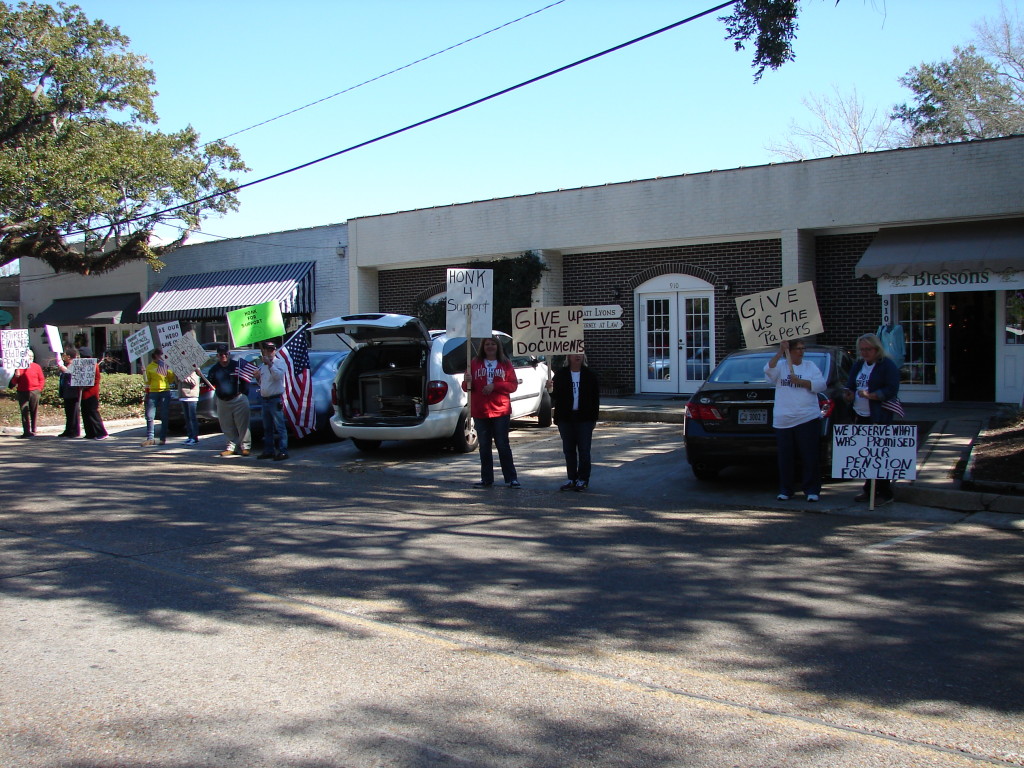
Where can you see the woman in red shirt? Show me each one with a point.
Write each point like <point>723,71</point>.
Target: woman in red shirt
<point>491,380</point>
<point>29,382</point>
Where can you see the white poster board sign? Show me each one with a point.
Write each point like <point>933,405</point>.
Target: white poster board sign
<point>53,336</point>
<point>879,451</point>
<point>14,348</point>
<point>168,332</point>
<point>139,343</point>
<point>547,331</point>
<point>184,352</point>
<point>470,295</point>
<point>781,314</point>
<point>83,371</point>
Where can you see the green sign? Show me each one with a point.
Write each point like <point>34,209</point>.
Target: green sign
<point>254,324</point>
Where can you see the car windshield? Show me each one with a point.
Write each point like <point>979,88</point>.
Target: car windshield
<point>748,369</point>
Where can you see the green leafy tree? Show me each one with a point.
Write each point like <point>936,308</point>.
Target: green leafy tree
<point>771,24</point>
<point>966,98</point>
<point>77,160</point>
<point>979,94</point>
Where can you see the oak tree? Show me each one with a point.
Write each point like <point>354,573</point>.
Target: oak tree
<point>84,179</point>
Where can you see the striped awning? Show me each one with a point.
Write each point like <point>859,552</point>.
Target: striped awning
<point>210,295</point>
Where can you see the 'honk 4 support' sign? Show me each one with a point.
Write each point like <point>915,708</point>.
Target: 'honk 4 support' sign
<point>469,303</point>
<point>781,314</point>
<point>547,331</point>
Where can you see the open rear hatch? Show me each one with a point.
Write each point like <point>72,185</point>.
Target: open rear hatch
<point>384,380</point>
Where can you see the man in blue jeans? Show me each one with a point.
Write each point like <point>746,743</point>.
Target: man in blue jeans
<point>271,375</point>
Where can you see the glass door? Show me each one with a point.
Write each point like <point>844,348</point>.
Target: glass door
<point>677,341</point>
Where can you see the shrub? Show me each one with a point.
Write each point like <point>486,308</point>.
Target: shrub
<point>123,390</point>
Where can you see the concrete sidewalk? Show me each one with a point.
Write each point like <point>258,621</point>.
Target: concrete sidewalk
<point>951,431</point>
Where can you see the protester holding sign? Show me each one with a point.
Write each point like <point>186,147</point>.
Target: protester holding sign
<point>92,422</point>
<point>158,396</point>
<point>29,381</point>
<point>872,387</point>
<point>70,395</point>
<point>271,376</point>
<point>576,395</point>
<point>796,418</point>
<point>490,381</point>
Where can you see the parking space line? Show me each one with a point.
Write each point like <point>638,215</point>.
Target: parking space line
<point>907,537</point>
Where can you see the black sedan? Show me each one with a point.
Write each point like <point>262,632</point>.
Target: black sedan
<point>729,419</point>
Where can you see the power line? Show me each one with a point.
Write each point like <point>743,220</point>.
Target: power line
<point>421,123</point>
<point>393,71</point>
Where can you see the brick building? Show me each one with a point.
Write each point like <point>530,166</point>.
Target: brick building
<point>887,237</point>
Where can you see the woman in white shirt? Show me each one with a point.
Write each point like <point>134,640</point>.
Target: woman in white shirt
<point>795,418</point>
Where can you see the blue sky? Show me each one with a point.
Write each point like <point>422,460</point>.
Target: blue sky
<point>682,102</point>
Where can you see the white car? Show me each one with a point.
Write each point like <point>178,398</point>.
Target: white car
<point>404,382</point>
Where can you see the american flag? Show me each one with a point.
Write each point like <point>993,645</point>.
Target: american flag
<point>298,384</point>
<point>245,370</point>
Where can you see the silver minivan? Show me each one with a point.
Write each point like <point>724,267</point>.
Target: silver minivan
<point>404,382</point>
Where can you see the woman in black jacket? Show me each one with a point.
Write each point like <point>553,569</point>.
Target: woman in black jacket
<point>873,384</point>
<point>577,401</point>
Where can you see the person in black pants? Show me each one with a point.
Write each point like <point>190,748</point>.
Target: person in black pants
<point>575,393</point>
<point>874,381</point>
<point>70,395</point>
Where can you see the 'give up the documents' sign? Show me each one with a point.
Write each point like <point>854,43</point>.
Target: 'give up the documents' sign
<point>547,331</point>
<point>781,314</point>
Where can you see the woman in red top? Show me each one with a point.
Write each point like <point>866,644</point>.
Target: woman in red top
<point>29,382</point>
<point>491,380</point>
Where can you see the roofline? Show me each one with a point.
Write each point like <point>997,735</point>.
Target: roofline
<point>685,175</point>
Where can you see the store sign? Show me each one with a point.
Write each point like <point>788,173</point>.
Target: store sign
<point>947,282</point>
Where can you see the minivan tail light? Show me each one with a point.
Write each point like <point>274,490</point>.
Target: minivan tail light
<point>436,392</point>
<point>703,412</point>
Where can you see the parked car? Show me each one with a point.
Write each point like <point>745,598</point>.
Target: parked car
<point>404,382</point>
<point>728,421</point>
<point>322,365</point>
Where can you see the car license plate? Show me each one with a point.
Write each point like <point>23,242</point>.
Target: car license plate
<point>752,416</point>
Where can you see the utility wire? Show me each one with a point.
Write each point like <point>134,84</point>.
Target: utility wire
<point>393,71</point>
<point>427,121</point>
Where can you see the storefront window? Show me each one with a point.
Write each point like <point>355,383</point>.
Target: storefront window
<point>1015,317</point>
<point>917,316</point>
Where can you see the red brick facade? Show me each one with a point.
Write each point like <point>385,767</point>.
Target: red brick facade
<point>849,307</point>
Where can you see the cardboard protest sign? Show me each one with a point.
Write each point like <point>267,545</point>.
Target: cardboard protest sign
<point>83,371</point>
<point>781,314</point>
<point>547,331</point>
<point>257,323</point>
<point>874,451</point>
<point>53,336</point>
<point>139,343</point>
<point>469,304</point>
<point>183,353</point>
<point>168,332</point>
<point>14,348</point>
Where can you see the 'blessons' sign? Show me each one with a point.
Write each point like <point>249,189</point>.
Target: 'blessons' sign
<point>547,331</point>
<point>781,314</point>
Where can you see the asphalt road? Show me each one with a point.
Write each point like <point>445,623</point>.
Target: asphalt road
<point>165,607</point>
